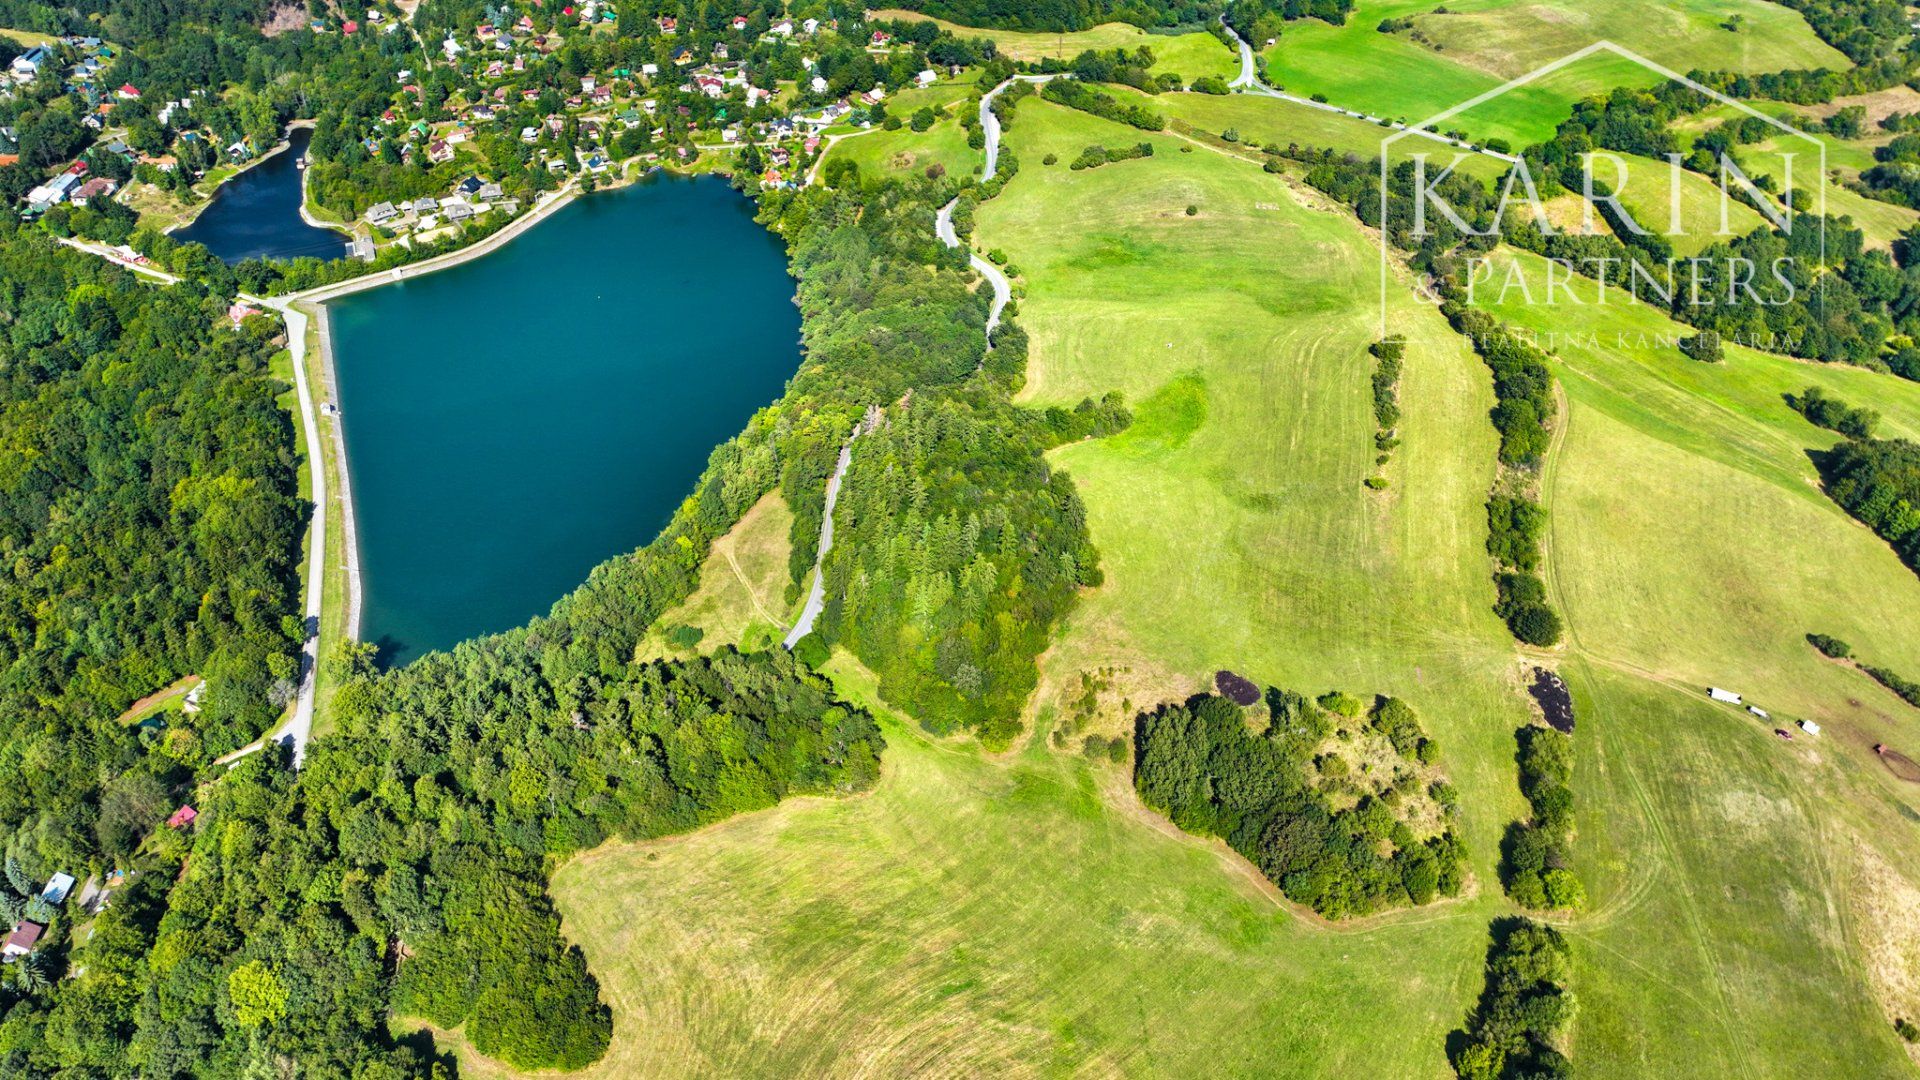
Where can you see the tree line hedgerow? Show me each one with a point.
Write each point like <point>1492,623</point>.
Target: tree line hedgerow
<point>1343,811</point>
<point>1518,1030</point>
<point>1387,354</point>
<point>1075,94</point>
<point>1535,860</point>
<point>1906,689</point>
<point>1523,389</point>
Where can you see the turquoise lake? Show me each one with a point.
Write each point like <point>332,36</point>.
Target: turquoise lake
<point>515,420</point>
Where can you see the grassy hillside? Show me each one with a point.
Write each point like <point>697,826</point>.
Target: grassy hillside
<point>895,153</point>
<point>1023,915</point>
<point>1690,546</point>
<point>741,600</point>
<point>1480,44</point>
<point>1846,159</point>
<point>871,936</point>
<point>1261,120</point>
<point>1189,56</point>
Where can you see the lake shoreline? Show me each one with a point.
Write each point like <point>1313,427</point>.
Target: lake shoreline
<point>187,220</point>
<point>412,602</point>
<point>350,538</point>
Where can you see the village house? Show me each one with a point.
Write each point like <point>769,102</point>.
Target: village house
<point>26,67</point>
<point>58,886</point>
<point>182,817</point>
<point>99,186</point>
<point>237,312</point>
<point>26,934</point>
<point>439,151</point>
<point>381,212</point>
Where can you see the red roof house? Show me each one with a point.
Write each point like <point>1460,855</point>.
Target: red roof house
<point>24,937</point>
<point>184,815</point>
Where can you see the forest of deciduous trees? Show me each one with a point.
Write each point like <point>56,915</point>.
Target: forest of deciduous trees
<point>150,524</point>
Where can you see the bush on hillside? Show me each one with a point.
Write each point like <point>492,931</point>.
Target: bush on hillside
<point>1832,646</point>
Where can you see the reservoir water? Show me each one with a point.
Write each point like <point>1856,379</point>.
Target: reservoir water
<point>257,213</point>
<point>513,421</point>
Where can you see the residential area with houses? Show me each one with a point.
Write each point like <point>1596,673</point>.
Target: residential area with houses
<point>462,121</point>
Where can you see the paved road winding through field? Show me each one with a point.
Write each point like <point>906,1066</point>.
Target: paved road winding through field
<point>1002,291</point>
<point>817,595</point>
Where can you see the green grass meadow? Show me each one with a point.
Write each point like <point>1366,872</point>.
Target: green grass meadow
<point>1690,546</point>
<point>1482,44</point>
<point>1023,915</point>
<point>1190,56</point>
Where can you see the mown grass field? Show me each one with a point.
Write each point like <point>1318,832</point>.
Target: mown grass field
<point>1261,120</point>
<point>981,917</point>
<point>898,153</point>
<point>1691,546</point>
<point>741,599</point>
<point>1024,916</point>
<point>1484,43</point>
<point>1190,56</point>
<point>1701,216</point>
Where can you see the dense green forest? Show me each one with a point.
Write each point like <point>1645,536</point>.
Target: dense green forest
<point>1332,836</point>
<point>150,523</point>
<point>403,868</point>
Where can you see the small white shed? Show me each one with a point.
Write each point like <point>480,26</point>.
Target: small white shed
<point>1727,696</point>
<point>1809,727</point>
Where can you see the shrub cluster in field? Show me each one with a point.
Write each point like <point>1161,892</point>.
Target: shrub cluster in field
<point>1330,806</point>
<point>1833,414</point>
<point>1387,354</point>
<point>1905,688</point>
<point>1095,156</point>
<point>1258,20</point>
<point>1126,67</point>
<point>1878,481</point>
<point>1535,851</point>
<point>1077,95</point>
<point>1517,1029</point>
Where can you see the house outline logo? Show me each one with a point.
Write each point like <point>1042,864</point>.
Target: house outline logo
<point>1429,128</point>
